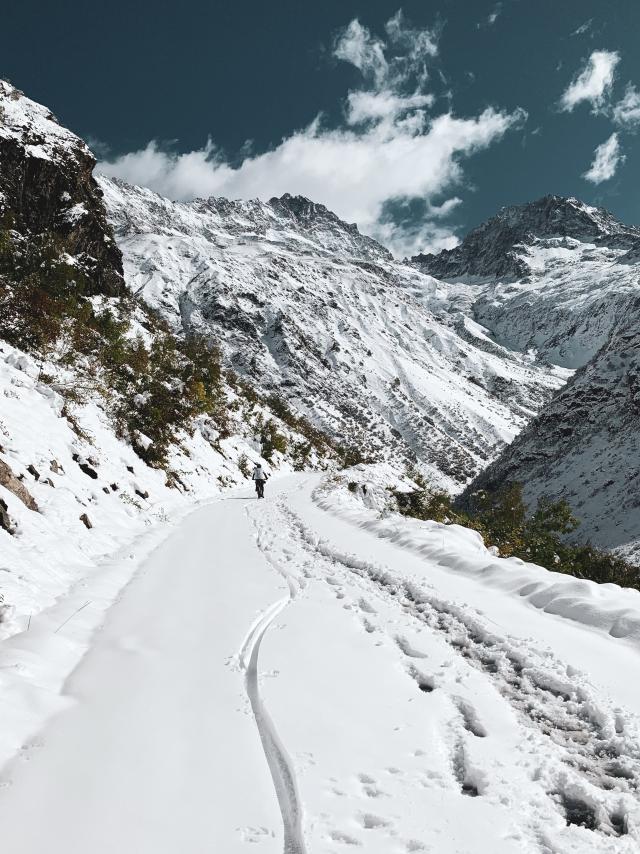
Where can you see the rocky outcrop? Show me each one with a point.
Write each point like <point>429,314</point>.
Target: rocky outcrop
<point>47,189</point>
<point>6,522</point>
<point>16,486</point>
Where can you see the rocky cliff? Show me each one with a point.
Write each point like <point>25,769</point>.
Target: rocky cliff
<point>47,191</point>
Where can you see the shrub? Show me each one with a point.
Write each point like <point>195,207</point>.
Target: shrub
<point>244,465</point>
<point>272,441</point>
<point>542,537</point>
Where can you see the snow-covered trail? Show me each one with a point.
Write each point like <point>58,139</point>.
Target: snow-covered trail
<point>159,750</point>
<point>278,679</point>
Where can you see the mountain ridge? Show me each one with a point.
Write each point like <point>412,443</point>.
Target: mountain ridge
<point>490,249</point>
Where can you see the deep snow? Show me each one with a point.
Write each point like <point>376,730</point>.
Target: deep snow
<point>311,662</point>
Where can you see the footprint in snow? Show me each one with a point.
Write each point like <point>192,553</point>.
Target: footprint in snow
<point>255,834</point>
<point>346,838</point>
<point>370,821</point>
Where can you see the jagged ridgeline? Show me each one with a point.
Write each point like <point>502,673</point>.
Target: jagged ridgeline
<point>63,300</point>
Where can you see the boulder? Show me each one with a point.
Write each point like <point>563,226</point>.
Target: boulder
<point>13,484</point>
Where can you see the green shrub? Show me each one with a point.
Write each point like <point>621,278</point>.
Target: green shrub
<point>244,465</point>
<point>272,441</point>
<point>541,537</point>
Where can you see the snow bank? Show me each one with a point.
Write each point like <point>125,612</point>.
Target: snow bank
<point>607,607</point>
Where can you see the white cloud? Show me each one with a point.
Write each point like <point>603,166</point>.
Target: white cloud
<point>356,46</point>
<point>627,111</point>
<point>389,150</point>
<point>607,158</point>
<point>408,241</point>
<point>594,82</point>
<point>383,106</point>
<point>583,28</point>
<point>493,17</point>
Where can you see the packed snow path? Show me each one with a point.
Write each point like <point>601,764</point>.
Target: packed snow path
<point>276,678</point>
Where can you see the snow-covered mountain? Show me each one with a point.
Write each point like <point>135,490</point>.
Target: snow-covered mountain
<point>374,351</point>
<point>551,276</point>
<point>380,354</point>
<point>561,279</point>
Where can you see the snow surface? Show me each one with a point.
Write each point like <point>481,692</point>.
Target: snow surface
<point>311,673</point>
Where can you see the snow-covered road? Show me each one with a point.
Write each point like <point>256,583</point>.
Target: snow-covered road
<point>278,677</point>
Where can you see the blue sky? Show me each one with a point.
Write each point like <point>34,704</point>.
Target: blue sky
<point>417,121</point>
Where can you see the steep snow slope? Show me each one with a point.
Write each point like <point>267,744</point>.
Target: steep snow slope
<point>306,306</point>
<point>73,492</point>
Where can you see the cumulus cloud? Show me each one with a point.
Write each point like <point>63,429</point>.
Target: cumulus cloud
<point>593,83</point>
<point>627,111</point>
<point>389,149</point>
<point>607,158</point>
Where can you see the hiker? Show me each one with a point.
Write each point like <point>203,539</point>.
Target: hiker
<point>259,477</point>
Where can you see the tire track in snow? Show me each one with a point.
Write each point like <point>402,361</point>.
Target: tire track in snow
<point>280,765</point>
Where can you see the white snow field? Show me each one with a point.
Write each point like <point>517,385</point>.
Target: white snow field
<point>311,674</point>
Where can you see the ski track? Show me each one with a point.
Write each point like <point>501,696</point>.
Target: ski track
<point>598,758</point>
<point>280,765</point>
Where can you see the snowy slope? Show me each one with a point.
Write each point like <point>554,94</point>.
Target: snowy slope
<point>302,304</point>
<point>552,277</point>
<point>325,680</point>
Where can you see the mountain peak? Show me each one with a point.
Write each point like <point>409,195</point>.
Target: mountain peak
<point>303,210</point>
<point>35,129</point>
<point>496,247</point>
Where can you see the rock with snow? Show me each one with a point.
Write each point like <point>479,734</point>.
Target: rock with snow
<point>47,187</point>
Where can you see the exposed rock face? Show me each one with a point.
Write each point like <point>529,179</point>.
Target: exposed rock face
<point>6,522</point>
<point>47,188</point>
<point>585,445</point>
<point>494,249</point>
